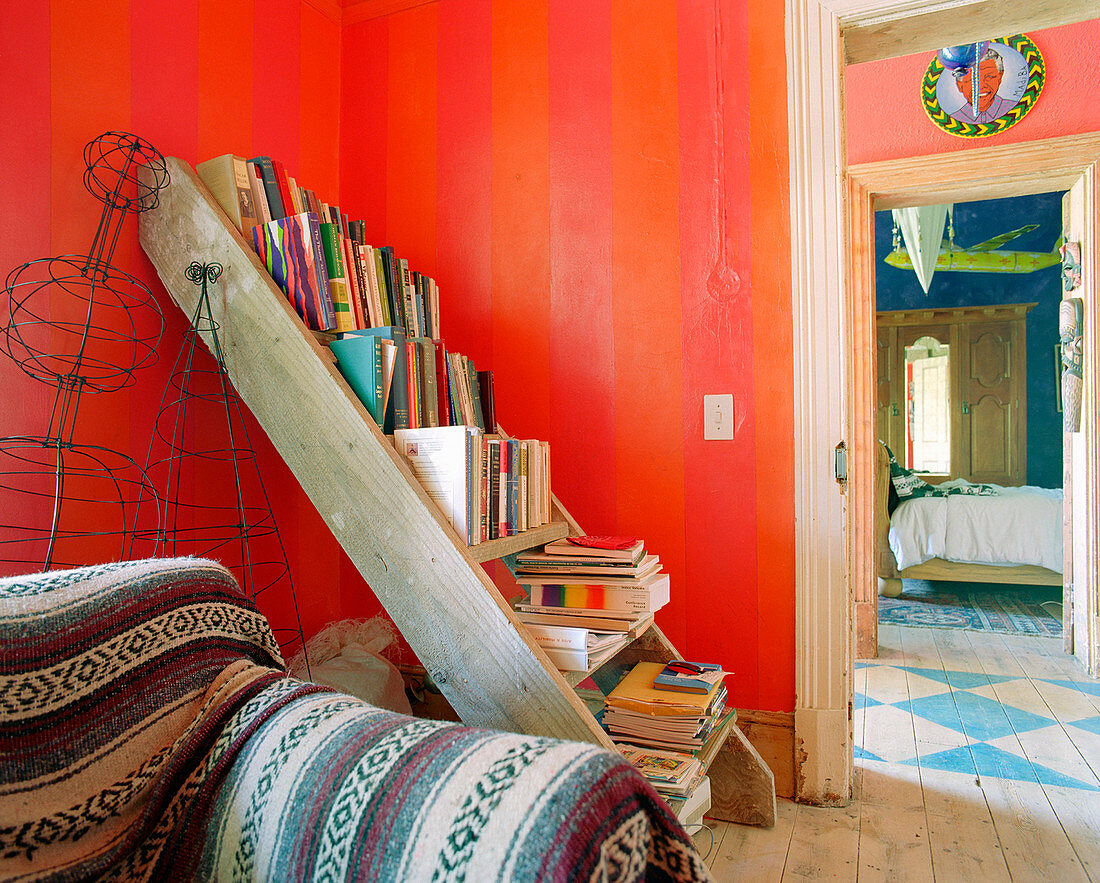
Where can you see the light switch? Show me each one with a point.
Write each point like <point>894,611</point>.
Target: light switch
<point>718,417</point>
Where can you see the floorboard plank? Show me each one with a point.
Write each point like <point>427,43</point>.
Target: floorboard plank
<point>752,853</point>
<point>961,831</point>
<point>824,844</point>
<point>1034,844</point>
<point>893,843</point>
<point>1079,815</point>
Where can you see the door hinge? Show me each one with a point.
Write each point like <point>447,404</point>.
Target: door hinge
<point>840,462</point>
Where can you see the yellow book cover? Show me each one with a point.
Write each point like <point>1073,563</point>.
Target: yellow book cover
<point>637,693</point>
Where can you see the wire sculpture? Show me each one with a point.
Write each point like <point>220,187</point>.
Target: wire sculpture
<point>200,458</point>
<point>83,326</point>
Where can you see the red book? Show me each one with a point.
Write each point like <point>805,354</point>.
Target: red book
<point>283,184</point>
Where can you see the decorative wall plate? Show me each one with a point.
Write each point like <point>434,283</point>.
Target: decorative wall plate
<point>1010,77</point>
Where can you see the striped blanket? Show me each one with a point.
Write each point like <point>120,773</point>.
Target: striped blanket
<point>148,732</point>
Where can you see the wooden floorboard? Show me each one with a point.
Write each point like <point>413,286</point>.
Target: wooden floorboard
<point>1001,709</point>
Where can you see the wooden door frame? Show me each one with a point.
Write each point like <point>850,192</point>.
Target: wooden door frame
<point>1054,164</point>
<point>832,398</point>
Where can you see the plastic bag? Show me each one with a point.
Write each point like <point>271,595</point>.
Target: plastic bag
<point>347,656</point>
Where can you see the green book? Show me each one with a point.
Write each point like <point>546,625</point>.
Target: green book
<point>337,277</point>
<point>360,361</point>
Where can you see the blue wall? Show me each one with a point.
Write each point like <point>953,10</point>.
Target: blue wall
<point>976,222</point>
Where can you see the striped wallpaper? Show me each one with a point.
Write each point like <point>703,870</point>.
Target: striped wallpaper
<point>600,189</point>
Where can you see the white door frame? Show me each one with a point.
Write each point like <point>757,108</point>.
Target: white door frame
<point>817,31</point>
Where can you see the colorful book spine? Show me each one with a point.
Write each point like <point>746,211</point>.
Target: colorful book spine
<point>512,504</point>
<point>293,254</point>
<point>337,278</point>
<point>592,597</point>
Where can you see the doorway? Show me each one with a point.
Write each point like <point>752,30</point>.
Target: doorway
<point>967,382</point>
<point>833,398</point>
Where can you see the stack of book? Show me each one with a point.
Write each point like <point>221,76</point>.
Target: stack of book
<point>642,712</point>
<point>487,487</point>
<point>664,719</point>
<point>578,649</point>
<point>671,773</point>
<point>603,583</point>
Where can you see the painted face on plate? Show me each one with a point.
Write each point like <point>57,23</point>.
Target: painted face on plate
<point>990,73</point>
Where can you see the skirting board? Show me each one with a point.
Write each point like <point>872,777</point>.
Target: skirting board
<point>771,733</point>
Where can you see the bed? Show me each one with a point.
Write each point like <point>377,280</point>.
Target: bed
<point>1005,535</point>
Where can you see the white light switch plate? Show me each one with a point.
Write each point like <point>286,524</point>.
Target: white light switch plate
<point>718,417</point>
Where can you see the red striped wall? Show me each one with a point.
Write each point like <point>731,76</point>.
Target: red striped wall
<point>195,78</point>
<point>601,195</point>
<point>608,206</point>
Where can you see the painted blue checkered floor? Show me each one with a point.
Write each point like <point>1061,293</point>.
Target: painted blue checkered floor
<point>983,717</point>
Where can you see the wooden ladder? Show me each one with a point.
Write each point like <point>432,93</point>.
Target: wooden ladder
<point>431,584</point>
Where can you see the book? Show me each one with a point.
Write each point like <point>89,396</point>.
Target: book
<point>584,546</point>
<point>602,620</point>
<point>648,599</point>
<point>690,809</point>
<point>226,177</point>
<point>356,298</point>
<point>539,563</point>
<point>337,277</point>
<point>487,399</point>
<point>259,197</point>
<point>428,398</point>
<point>360,361</point>
<point>439,457</point>
<point>397,411</point>
<point>658,766</point>
<point>586,659</point>
<point>281,181</point>
<point>493,487</point>
<point>442,386</point>
<point>376,314</point>
<point>690,677</point>
<point>547,578</point>
<point>383,290</point>
<point>534,461</point>
<point>636,692</point>
<point>572,637</point>
<point>511,504</point>
<point>265,171</point>
<point>291,250</point>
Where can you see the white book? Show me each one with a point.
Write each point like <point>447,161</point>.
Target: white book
<point>439,458</point>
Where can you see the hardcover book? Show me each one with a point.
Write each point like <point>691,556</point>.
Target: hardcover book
<point>292,252</point>
<point>360,361</point>
<point>226,177</point>
<point>690,677</point>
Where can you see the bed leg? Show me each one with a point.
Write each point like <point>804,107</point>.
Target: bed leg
<point>889,587</point>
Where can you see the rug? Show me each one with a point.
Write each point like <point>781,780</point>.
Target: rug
<point>982,607</point>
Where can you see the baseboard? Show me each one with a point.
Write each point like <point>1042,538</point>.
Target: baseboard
<point>771,733</point>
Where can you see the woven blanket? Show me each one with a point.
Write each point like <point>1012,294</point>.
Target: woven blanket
<point>148,732</point>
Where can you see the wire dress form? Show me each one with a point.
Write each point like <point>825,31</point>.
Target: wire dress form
<point>81,326</point>
<point>212,496</point>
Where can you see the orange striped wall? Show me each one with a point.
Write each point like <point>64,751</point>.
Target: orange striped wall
<point>196,78</point>
<point>601,195</point>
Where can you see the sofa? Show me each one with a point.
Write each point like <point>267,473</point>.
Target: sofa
<point>149,731</point>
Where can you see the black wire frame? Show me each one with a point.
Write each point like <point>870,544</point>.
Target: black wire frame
<point>233,522</point>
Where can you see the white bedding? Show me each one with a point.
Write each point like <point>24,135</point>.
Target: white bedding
<point>1017,525</point>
